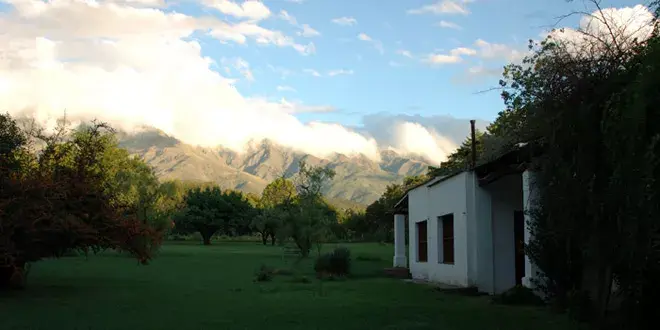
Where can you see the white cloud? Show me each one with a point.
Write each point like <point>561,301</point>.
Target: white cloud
<point>239,33</point>
<point>375,43</point>
<point>344,21</point>
<point>405,53</point>
<point>330,73</point>
<point>308,31</point>
<point>499,51</point>
<point>251,9</point>
<point>312,72</point>
<point>240,65</point>
<point>134,64</point>
<point>333,73</point>
<point>288,17</point>
<point>286,89</point>
<point>442,7</point>
<point>463,51</point>
<point>455,56</point>
<point>449,25</point>
<point>131,66</point>
<point>620,25</point>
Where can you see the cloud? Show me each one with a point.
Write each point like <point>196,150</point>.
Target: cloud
<point>454,56</point>
<point>333,73</point>
<point>449,25</point>
<point>330,73</point>
<point>286,89</point>
<point>499,51</point>
<point>620,25</point>
<point>405,53</point>
<point>433,138</point>
<point>239,32</point>
<point>288,17</point>
<point>240,65</point>
<point>344,21</point>
<point>312,72</point>
<point>306,30</point>
<point>134,64</point>
<point>375,43</point>
<point>251,9</point>
<point>442,7</point>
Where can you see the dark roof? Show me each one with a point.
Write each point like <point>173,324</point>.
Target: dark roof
<point>514,161</point>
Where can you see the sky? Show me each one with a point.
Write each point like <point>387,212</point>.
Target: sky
<point>321,76</point>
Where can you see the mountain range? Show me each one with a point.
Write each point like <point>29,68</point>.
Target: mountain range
<point>358,180</point>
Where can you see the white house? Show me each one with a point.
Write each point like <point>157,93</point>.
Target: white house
<point>468,229</point>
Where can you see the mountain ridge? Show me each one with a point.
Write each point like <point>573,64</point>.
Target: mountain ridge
<point>358,179</point>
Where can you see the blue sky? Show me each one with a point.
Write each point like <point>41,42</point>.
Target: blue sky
<point>391,82</point>
<point>319,76</point>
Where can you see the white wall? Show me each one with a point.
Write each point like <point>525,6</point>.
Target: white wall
<point>449,196</point>
<point>506,198</point>
<point>417,211</point>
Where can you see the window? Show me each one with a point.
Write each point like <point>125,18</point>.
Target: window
<point>422,242</point>
<point>447,222</point>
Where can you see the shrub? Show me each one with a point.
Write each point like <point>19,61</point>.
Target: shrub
<point>264,274</point>
<point>335,263</point>
<point>518,295</point>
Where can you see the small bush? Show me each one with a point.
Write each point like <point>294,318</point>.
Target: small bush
<point>264,274</point>
<point>335,263</point>
<point>518,295</point>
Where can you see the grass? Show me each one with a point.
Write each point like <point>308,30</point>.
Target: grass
<point>211,287</point>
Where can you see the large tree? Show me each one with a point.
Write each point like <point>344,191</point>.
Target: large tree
<point>211,210</point>
<point>56,202</point>
<point>590,97</point>
<point>308,220</point>
<point>275,201</point>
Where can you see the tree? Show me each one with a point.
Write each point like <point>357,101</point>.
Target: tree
<point>308,219</point>
<point>590,98</point>
<point>210,210</point>
<point>276,198</point>
<point>378,218</point>
<point>59,204</point>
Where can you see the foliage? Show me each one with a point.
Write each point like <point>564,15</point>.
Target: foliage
<point>596,224</point>
<point>275,201</point>
<point>211,210</point>
<point>378,221</point>
<point>307,220</point>
<point>335,263</point>
<point>57,201</point>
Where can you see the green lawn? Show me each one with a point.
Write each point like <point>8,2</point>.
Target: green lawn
<point>211,287</point>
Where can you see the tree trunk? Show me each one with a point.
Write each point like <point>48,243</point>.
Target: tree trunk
<point>264,238</point>
<point>206,237</point>
<point>272,239</point>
